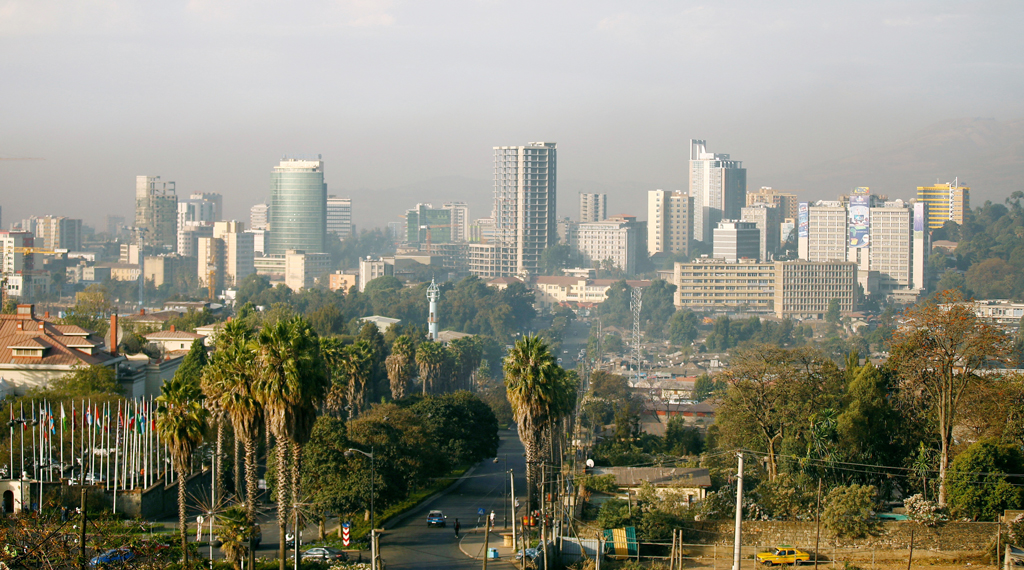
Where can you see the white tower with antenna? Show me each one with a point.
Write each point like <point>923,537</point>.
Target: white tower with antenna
<point>433,294</point>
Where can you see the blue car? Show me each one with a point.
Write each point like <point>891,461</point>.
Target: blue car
<point>436,518</point>
<point>112,557</point>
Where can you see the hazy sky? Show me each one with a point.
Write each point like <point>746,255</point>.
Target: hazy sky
<point>211,93</point>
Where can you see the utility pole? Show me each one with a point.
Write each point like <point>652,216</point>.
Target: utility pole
<point>739,515</point>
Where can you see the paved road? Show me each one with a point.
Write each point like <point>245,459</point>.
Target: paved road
<point>411,544</point>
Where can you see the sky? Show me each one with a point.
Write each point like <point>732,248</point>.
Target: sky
<point>212,93</point>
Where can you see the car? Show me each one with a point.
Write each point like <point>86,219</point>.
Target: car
<point>783,554</point>
<point>325,554</point>
<point>112,557</point>
<point>436,518</point>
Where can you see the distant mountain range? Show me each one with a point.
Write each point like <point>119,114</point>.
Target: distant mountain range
<point>985,154</point>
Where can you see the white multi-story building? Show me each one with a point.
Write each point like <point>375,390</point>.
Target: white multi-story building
<point>196,210</point>
<point>189,234</point>
<point>614,239</point>
<point>718,186</point>
<point>58,232</point>
<point>339,216</point>
<point>370,269</point>
<point>734,241</point>
<point>525,192</point>
<point>593,207</point>
<point>766,218</point>
<point>827,222</point>
<point>213,198</point>
<point>227,255</point>
<point>302,269</point>
<point>156,211</point>
<point>669,217</point>
<point>259,217</point>
<point>17,261</point>
<point>459,220</point>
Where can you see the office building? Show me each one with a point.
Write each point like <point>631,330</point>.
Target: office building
<point>15,259</point>
<point>785,202</point>
<point>735,240</point>
<point>525,200</point>
<point>259,241</point>
<point>298,207</point>
<point>459,220</point>
<point>718,186</point>
<point>156,212</point>
<point>161,269</point>
<point>128,254</point>
<point>339,217</point>
<point>370,269</point>
<point>945,202</point>
<point>593,207</point>
<point>789,289</point>
<point>58,232</point>
<point>482,230</point>
<point>227,256</point>
<point>259,217</point>
<point>189,234</point>
<point>215,199</point>
<point>826,221</point>
<point>669,219</point>
<point>302,269</point>
<point>766,218</point>
<point>427,224</point>
<point>196,210</point>
<point>613,240</point>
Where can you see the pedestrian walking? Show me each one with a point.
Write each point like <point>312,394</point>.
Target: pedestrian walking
<point>457,528</point>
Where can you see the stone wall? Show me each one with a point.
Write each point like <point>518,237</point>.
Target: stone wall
<point>160,501</point>
<point>891,535</point>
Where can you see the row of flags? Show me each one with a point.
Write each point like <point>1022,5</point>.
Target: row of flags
<point>96,417</point>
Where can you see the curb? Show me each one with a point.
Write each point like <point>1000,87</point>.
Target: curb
<point>425,502</point>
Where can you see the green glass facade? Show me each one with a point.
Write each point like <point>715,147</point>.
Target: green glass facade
<point>298,207</point>
<point>424,224</point>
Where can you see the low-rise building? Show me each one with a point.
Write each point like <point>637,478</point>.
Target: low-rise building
<point>691,483</point>
<point>550,290</point>
<point>301,269</point>
<point>343,280</point>
<point>173,340</point>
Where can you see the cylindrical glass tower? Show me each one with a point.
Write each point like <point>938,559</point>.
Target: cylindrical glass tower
<point>298,207</point>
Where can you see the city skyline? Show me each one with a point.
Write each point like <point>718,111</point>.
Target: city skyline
<point>203,88</point>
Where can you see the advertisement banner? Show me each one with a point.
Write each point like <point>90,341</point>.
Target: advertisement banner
<point>802,220</point>
<point>860,220</point>
<point>919,219</point>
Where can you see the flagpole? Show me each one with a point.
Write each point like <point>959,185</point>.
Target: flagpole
<point>73,421</point>
<point>106,434</point>
<point>11,468</point>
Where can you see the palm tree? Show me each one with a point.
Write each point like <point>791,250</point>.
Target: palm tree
<point>291,385</point>
<point>332,350</point>
<point>181,421</point>
<point>467,354</point>
<point>434,362</point>
<point>400,366</point>
<point>235,534</point>
<point>357,365</point>
<point>540,393</point>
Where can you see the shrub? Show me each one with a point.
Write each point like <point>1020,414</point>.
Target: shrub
<point>849,511</point>
<point>601,484</point>
<point>923,511</point>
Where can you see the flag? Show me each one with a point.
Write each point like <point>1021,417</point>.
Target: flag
<point>106,419</point>
<point>63,416</point>
<point>49,415</point>
<point>88,416</point>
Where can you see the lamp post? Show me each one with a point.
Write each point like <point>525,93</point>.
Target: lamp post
<point>373,476</point>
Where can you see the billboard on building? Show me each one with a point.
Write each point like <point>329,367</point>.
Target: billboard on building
<point>859,215</point>
<point>802,220</point>
<point>919,220</point>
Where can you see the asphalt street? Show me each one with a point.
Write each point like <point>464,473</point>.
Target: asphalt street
<point>411,544</point>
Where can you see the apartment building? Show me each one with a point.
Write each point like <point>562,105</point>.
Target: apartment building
<point>669,222</point>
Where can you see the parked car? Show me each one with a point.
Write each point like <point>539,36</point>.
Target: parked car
<point>436,518</point>
<point>113,557</point>
<point>783,554</point>
<point>324,554</point>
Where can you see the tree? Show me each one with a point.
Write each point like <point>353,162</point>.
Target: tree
<point>681,439</point>
<point>235,532</point>
<point>937,352</point>
<point>705,387</point>
<point>540,393</point>
<point>870,428</point>
<point>181,421</point>
<point>435,363</point>
<point>832,314</point>
<point>849,511</point>
<point>554,259</point>
<point>400,365</point>
<point>290,387</point>
<point>357,365</point>
<point>658,307</point>
<point>462,426</point>
<point>980,484</point>
<point>682,327</point>
<point>466,354</point>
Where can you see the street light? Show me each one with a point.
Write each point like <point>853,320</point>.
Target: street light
<point>373,549</point>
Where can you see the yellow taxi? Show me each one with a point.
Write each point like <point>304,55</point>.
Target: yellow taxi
<point>783,554</point>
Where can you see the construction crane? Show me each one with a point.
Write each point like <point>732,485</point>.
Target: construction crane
<point>211,283</point>
<point>31,250</point>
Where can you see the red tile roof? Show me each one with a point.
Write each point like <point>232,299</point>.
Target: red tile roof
<point>173,335</point>
<point>57,341</point>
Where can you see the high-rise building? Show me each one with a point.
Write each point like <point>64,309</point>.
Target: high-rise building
<point>196,210</point>
<point>525,194</point>
<point>786,202</point>
<point>945,202</point>
<point>669,219</point>
<point>718,186</point>
<point>156,212</point>
<point>227,255</point>
<point>58,232</point>
<point>298,207</point>
<point>766,218</point>
<point>427,224</point>
<point>259,217</point>
<point>12,261</point>
<point>188,237</point>
<point>339,216</point>
<point>735,240</point>
<point>213,198</point>
<point>459,220</point>
<point>614,240</point>
<point>593,207</point>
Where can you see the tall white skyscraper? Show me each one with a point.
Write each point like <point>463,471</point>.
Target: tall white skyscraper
<point>669,218</point>
<point>593,207</point>
<point>718,186</point>
<point>339,216</point>
<point>460,220</point>
<point>524,205</point>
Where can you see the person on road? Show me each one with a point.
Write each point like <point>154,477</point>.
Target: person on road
<point>457,528</point>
